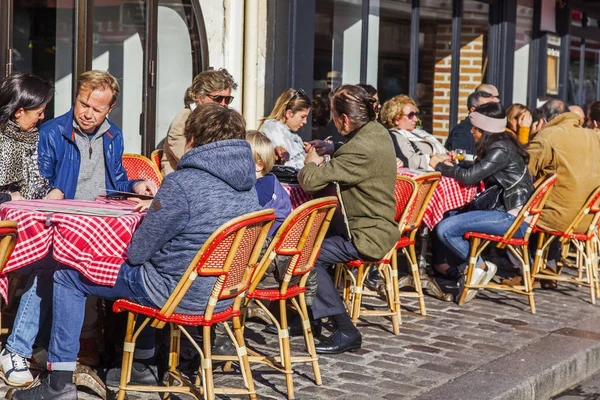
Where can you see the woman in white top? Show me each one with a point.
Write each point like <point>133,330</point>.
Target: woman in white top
<point>288,116</point>
<point>414,146</point>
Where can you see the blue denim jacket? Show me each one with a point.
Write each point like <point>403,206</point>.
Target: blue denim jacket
<point>59,157</point>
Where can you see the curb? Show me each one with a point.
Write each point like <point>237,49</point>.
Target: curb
<point>538,371</point>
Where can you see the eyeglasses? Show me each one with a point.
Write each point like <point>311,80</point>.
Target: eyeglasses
<point>297,93</point>
<point>220,99</point>
<point>412,115</point>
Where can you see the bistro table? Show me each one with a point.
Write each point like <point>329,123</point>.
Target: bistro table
<point>449,194</point>
<point>90,236</point>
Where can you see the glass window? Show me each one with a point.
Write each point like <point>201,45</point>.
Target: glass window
<point>524,30</point>
<point>43,45</point>
<point>178,49</point>
<point>584,72</point>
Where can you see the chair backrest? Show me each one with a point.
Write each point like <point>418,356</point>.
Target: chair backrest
<point>156,156</point>
<point>231,254</point>
<point>591,206</point>
<point>8,240</point>
<point>426,184</point>
<point>405,193</point>
<point>533,208</point>
<point>140,167</point>
<point>300,237</point>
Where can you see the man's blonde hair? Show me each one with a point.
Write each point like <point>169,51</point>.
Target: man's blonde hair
<point>211,81</point>
<point>99,80</point>
<point>392,109</point>
<point>262,150</point>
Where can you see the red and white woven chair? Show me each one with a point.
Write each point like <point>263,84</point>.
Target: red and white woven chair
<point>584,242</point>
<point>517,246</point>
<point>8,240</point>
<point>156,156</point>
<point>300,237</point>
<point>230,254</point>
<point>140,167</point>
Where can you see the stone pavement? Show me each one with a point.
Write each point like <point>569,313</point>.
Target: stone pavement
<point>450,345</point>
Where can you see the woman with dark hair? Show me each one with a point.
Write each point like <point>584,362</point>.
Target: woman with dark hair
<point>23,99</point>
<point>365,169</point>
<point>502,161</point>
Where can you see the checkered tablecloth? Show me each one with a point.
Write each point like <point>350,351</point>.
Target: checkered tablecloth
<point>449,194</point>
<point>297,195</point>
<point>94,245</point>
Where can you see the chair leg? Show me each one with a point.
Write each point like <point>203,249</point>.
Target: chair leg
<point>537,260</point>
<point>470,269</point>
<point>390,297</point>
<point>357,293</point>
<point>414,267</point>
<point>396,283</point>
<point>308,338</point>
<point>174,348</point>
<point>527,279</point>
<point>286,356</point>
<point>589,261</point>
<point>128,351</point>
<point>238,331</point>
<point>206,364</point>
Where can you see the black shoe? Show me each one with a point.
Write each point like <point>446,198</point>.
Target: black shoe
<point>43,391</point>
<point>141,374</point>
<point>295,327</point>
<point>340,342</point>
<point>223,347</point>
<point>373,280</point>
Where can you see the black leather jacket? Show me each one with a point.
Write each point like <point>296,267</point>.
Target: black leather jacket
<point>501,165</point>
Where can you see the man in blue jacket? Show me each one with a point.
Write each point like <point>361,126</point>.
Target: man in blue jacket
<point>214,183</point>
<point>80,154</point>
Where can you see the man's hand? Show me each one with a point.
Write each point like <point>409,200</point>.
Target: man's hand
<point>55,194</point>
<point>16,196</point>
<point>322,147</point>
<point>281,154</point>
<point>313,156</point>
<point>147,188</point>
<point>525,119</point>
<point>142,205</point>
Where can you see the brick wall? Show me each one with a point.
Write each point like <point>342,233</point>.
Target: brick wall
<point>472,57</point>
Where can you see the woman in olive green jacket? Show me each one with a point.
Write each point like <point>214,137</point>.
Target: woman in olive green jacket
<point>365,168</point>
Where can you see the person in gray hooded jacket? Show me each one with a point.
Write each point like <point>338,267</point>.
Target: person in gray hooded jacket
<point>214,183</point>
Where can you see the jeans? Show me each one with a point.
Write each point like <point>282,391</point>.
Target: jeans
<point>34,307</point>
<point>70,292</point>
<point>451,230</point>
<point>327,301</point>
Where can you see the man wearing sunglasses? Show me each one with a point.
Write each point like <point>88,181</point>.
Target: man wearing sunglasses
<point>211,86</point>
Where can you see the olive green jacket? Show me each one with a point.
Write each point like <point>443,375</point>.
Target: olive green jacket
<point>365,168</point>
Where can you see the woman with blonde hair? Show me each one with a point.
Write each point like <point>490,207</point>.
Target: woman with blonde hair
<point>288,116</point>
<point>519,121</point>
<point>413,146</point>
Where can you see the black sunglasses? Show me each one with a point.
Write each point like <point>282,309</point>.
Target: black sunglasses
<point>220,99</point>
<point>412,115</point>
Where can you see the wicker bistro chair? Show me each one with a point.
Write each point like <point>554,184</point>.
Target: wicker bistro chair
<point>519,247</point>
<point>156,156</point>
<point>300,237</point>
<point>405,193</point>
<point>8,240</point>
<point>230,254</point>
<point>140,167</point>
<point>585,244</point>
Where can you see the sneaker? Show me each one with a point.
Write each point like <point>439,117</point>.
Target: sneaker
<point>141,374</point>
<point>478,277</point>
<point>43,391</point>
<point>14,370</point>
<point>490,272</point>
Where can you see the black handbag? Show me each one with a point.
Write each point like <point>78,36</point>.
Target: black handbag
<point>284,174</point>
<point>489,199</point>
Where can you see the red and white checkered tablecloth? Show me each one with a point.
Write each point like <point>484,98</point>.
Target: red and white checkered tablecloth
<point>92,244</point>
<point>449,194</point>
<point>297,195</point>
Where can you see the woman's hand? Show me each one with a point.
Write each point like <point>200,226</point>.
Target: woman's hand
<point>435,159</point>
<point>55,194</point>
<point>142,205</point>
<point>399,163</point>
<point>148,188</point>
<point>313,156</point>
<point>525,119</point>
<point>281,154</point>
<point>16,196</point>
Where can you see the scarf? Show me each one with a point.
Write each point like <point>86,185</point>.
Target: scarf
<point>19,169</point>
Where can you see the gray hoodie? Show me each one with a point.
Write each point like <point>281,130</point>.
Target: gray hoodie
<point>213,184</point>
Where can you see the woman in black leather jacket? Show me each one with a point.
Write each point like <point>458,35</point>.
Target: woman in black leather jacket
<point>501,160</point>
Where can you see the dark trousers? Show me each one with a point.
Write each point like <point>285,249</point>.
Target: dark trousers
<point>334,250</point>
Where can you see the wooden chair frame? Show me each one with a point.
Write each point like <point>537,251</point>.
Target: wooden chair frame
<point>8,240</point>
<point>203,387</point>
<point>312,219</point>
<point>586,249</point>
<point>354,285</point>
<point>518,247</point>
<point>146,160</point>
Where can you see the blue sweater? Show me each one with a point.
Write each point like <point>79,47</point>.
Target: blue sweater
<point>213,184</point>
<point>272,195</point>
